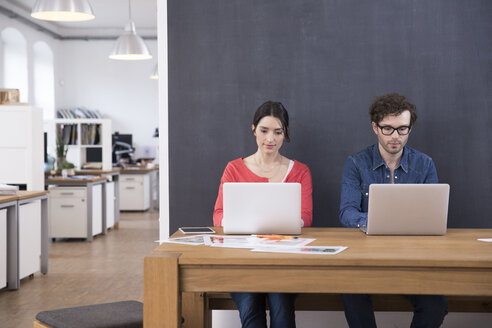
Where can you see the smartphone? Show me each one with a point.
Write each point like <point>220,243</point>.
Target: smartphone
<point>190,230</point>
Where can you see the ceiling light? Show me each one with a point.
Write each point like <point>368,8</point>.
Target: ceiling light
<point>129,45</point>
<point>63,10</point>
<point>155,73</point>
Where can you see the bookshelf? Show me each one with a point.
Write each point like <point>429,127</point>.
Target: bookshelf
<point>83,136</point>
<point>21,146</point>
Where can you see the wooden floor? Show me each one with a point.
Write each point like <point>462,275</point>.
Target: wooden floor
<point>108,269</point>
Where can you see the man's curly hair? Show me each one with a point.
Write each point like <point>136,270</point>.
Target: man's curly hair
<point>391,104</point>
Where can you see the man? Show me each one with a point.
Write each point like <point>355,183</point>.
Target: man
<point>388,161</point>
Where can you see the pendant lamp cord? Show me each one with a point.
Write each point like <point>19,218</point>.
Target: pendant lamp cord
<point>129,10</point>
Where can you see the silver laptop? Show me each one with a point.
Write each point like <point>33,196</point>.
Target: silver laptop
<point>407,209</point>
<point>262,208</point>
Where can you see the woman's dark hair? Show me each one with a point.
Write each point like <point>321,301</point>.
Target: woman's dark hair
<point>391,104</point>
<point>277,110</point>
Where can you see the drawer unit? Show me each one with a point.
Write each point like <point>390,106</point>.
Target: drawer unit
<point>3,248</point>
<point>64,192</point>
<point>29,238</point>
<point>131,178</point>
<point>69,212</point>
<point>134,192</point>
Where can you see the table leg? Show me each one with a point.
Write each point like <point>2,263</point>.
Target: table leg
<point>44,235</point>
<point>193,310</point>
<point>116,180</point>
<point>103,199</point>
<point>161,291</point>
<point>13,281</point>
<point>89,211</point>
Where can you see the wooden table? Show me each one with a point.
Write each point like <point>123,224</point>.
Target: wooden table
<point>12,203</point>
<point>454,264</point>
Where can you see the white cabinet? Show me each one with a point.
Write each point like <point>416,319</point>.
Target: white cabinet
<point>3,248</point>
<point>21,146</point>
<point>69,212</point>
<point>134,192</point>
<point>82,136</point>
<point>110,204</point>
<point>29,238</point>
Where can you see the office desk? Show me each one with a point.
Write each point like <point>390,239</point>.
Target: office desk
<point>12,203</point>
<point>147,194</point>
<point>454,264</point>
<point>115,177</point>
<point>88,183</point>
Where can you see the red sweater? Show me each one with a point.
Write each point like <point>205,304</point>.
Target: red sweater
<point>236,171</point>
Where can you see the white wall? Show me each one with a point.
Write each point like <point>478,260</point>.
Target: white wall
<point>84,76</point>
<point>31,36</point>
<point>120,90</point>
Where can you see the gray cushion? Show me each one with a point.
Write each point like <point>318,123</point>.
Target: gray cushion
<point>126,314</point>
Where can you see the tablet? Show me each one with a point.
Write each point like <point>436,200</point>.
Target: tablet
<point>191,230</point>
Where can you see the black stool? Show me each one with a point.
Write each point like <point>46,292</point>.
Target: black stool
<point>126,314</point>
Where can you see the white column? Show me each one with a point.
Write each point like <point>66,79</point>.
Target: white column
<point>163,120</point>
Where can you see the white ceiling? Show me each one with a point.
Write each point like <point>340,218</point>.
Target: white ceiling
<point>111,17</point>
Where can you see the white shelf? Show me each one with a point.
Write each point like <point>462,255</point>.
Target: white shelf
<point>77,152</point>
<point>85,146</point>
<point>21,146</point>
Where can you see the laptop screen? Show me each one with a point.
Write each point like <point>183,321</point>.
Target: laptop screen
<point>407,209</point>
<point>262,208</point>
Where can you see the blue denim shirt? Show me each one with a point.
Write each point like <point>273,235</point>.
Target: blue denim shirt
<point>368,167</point>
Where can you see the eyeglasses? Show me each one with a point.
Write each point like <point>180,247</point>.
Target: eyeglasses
<point>388,130</point>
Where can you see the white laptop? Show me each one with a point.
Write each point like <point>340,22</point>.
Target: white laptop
<point>262,208</point>
<point>407,209</point>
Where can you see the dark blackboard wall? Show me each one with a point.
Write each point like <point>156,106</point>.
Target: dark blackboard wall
<point>326,61</point>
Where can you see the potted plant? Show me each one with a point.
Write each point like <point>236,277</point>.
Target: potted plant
<point>62,164</point>
<point>61,151</point>
<point>66,168</point>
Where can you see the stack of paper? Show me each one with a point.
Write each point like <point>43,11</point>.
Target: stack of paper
<point>259,243</point>
<point>7,190</point>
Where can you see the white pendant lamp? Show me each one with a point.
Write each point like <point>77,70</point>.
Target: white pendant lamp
<point>155,73</point>
<point>63,10</point>
<point>130,46</point>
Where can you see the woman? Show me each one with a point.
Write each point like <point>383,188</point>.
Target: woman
<point>270,127</point>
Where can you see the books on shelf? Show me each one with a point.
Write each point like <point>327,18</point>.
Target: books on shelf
<point>8,190</point>
<point>68,132</point>
<point>90,134</point>
<point>77,113</point>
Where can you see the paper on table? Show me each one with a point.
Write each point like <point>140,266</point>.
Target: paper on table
<point>229,241</point>
<point>287,242</point>
<point>82,177</point>
<point>7,190</point>
<point>253,242</point>
<point>316,250</point>
<point>188,240</point>
<point>487,240</point>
